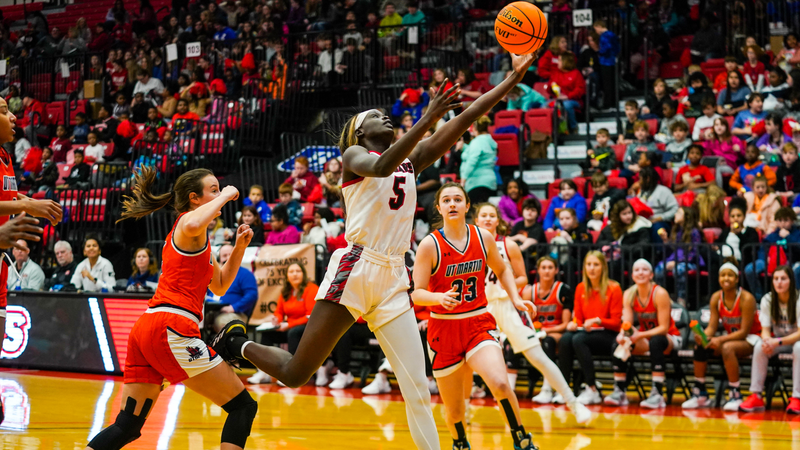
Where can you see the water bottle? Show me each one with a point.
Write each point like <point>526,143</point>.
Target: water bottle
<point>698,330</point>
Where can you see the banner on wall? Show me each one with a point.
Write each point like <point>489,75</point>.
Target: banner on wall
<point>270,272</point>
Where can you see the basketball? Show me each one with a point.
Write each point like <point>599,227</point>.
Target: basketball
<point>521,28</point>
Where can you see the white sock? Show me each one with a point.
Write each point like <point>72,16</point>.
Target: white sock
<point>549,369</point>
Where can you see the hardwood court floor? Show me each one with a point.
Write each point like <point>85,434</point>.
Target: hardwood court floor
<point>48,410</point>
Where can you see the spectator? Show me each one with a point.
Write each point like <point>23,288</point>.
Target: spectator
<point>731,100</point>
<point>72,43</point>
<point>698,93</point>
<point>94,273</point>
<point>678,145</point>
<point>642,144</point>
<point>721,81</point>
<point>685,257</point>
<point>746,119</point>
<point>250,217</point>
<point>61,145</point>
<point>119,77</point>
<point>352,67</point>
<point>414,15</point>
<point>779,334</point>
<point>605,197</point>
<point>154,122</point>
<point>305,62</point>
<point>118,8</point>
<point>707,44</point>
<point>523,98</point>
<point>735,238</point>
<point>33,117</point>
<point>788,173</point>
<point>705,122</point>
<point>721,143</point>
<point>390,19</point>
<point>477,163</point>
<point>223,33</point>
<point>79,175</point>
<point>510,206</point>
<point>571,232</point>
<point>122,106</point>
<point>598,304</point>
<point>64,270</point>
<point>670,117</point>
<point>255,198</point>
<point>762,205</point>
<point>654,101</point>
<point>148,85</point>
<point>49,44</point>
<point>27,275</point>
<point>184,121</point>
<point>282,232</point>
<point>631,116</point>
<point>528,232</point>
<point>753,69</point>
<point>735,309</point>
<point>657,334</point>
<point>771,142</point>
<point>659,198</point>
<point>331,182</point>
<point>788,57</point>
<point>83,30</point>
<point>145,19</point>
<point>241,297</point>
<point>293,207</point>
<point>170,104</point>
<point>471,88</point>
<point>411,101</point>
<point>21,145</point>
<point>144,275</point>
<point>304,181</point>
<point>94,152</point>
<point>568,197</point>
<point>568,85</point>
<point>291,314</point>
<point>324,225</point>
<point>609,49</point>
<point>45,179</point>
<point>600,159</point>
<point>777,91</point>
<point>742,180</point>
<point>548,62</point>
<point>693,176</point>
<point>80,132</point>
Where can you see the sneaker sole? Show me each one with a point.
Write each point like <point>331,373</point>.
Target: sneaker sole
<point>749,410</point>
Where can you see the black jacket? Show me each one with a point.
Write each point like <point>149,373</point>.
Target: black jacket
<point>62,275</point>
<point>788,178</point>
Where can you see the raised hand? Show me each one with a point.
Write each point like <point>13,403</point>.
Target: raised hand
<point>231,192</point>
<point>243,235</point>
<point>520,63</point>
<point>443,101</point>
<point>46,209</point>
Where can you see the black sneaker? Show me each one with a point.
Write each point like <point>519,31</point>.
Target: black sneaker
<point>461,445</point>
<point>221,340</point>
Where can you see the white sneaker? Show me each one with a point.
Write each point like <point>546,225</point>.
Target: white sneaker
<point>616,398</point>
<point>323,374</point>
<point>259,378</point>
<point>558,399</point>
<point>732,404</point>
<point>385,366</point>
<point>545,396</point>
<point>582,413</point>
<point>698,402</point>
<point>477,392</point>
<point>654,401</point>
<point>433,388</point>
<point>590,397</point>
<point>341,381</point>
<point>380,385</point>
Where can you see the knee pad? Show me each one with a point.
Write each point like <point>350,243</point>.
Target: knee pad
<point>701,354</point>
<point>549,347</point>
<point>241,411</point>
<point>658,345</point>
<point>126,429</point>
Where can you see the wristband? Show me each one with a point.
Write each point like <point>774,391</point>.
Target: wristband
<point>780,341</point>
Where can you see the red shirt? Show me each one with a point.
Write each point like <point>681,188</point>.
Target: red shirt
<point>310,182</point>
<point>609,309</point>
<point>60,146</point>
<point>753,71</point>
<point>572,84</point>
<point>119,77</point>
<point>701,171</point>
<point>295,311</point>
<point>548,64</point>
<point>721,82</point>
<point>184,276</point>
<point>464,271</point>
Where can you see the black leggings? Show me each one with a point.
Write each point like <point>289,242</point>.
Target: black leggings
<point>358,334</point>
<point>582,345</point>
<point>658,361</point>
<point>480,194</point>
<point>291,337</point>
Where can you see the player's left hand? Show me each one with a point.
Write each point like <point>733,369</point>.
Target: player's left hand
<point>243,235</point>
<point>525,305</point>
<point>520,63</point>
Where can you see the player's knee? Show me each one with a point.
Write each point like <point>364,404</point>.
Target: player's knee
<point>241,411</point>
<point>125,429</point>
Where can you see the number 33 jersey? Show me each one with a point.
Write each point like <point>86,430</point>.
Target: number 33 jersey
<point>380,211</point>
<point>463,270</point>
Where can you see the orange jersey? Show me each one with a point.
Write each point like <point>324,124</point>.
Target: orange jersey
<point>8,193</point>
<point>463,271</point>
<point>184,277</point>
<point>648,314</point>
<point>548,308</point>
<point>732,320</point>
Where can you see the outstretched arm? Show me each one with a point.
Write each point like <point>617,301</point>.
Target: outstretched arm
<point>365,164</point>
<point>430,150</point>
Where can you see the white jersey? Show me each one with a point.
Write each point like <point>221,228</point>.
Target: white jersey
<point>380,211</point>
<point>495,291</point>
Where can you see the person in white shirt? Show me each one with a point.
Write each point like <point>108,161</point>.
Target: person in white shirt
<point>21,145</point>
<point>94,273</point>
<point>706,121</point>
<point>94,152</point>
<point>28,276</point>
<point>147,85</point>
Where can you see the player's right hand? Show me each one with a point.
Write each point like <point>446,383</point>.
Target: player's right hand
<point>231,192</point>
<point>449,299</point>
<point>21,227</point>
<point>46,209</point>
<point>443,101</point>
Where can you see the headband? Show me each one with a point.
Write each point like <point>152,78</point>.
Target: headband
<point>730,266</point>
<point>645,262</point>
<point>360,119</point>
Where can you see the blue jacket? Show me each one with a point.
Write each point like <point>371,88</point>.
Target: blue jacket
<point>262,208</point>
<point>416,111</point>
<point>609,48</point>
<point>243,293</point>
<point>226,34</point>
<point>577,202</point>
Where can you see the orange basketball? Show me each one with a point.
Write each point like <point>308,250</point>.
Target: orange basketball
<point>521,28</point>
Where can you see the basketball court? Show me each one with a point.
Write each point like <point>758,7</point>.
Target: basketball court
<point>54,410</point>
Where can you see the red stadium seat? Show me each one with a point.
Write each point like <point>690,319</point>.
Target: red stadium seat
<point>507,149</point>
<point>508,118</point>
<point>652,126</point>
<point>672,69</point>
<point>308,212</point>
<point>690,121</point>
<point>595,235</point>
<point>550,235</point>
<point>553,188</point>
<point>667,177</point>
<point>730,120</point>
<point>619,151</point>
<point>63,172</point>
<point>108,148</point>
<point>542,89</point>
<point>711,234</point>
<point>540,119</point>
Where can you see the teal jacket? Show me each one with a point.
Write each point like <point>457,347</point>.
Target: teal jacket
<point>477,163</point>
<point>529,99</point>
